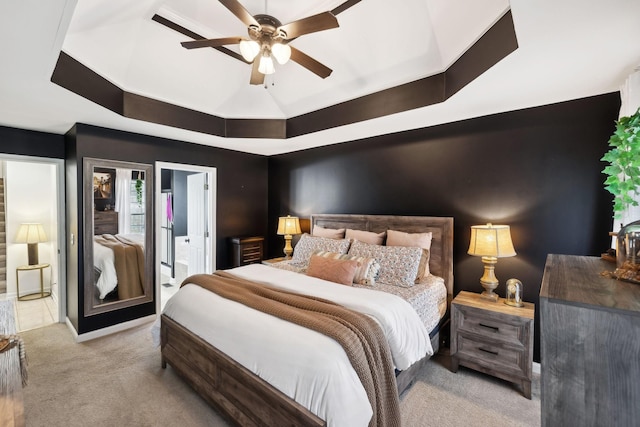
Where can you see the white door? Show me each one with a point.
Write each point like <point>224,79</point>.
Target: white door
<point>197,222</point>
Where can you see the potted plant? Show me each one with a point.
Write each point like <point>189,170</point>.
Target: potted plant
<point>623,181</point>
<point>623,171</point>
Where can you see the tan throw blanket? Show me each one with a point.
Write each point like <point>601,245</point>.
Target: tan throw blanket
<point>129,263</point>
<point>360,335</point>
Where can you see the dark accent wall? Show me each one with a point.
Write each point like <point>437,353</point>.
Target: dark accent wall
<point>31,143</point>
<point>537,170</point>
<point>241,200</point>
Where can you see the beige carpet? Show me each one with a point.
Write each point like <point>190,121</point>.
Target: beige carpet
<point>117,381</point>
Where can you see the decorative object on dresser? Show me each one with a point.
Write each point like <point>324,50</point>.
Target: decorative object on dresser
<point>493,338</point>
<point>513,295</point>
<point>247,250</point>
<point>31,233</point>
<point>287,227</point>
<point>490,242</point>
<point>628,253</point>
<point>105,222</point>
<point>590,326</point>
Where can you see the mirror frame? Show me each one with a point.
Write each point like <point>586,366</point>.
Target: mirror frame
<point>89,164</point>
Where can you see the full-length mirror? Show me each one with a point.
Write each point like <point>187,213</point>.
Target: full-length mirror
<point>118,260</point>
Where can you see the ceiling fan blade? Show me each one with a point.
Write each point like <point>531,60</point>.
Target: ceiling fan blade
<point>257,78</point>
<point>309,63</point>
<point>344,6</point>
<point>243,14</point>
<point>311,24</point>
<point>210,42</point>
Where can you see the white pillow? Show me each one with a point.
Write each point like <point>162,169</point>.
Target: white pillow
<point>365,236</point>
<point>398,264</point>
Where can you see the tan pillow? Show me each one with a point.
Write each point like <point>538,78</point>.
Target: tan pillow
<point>420,240</point>
<point>365,236</point>
<point>367,271</point>
<point>333,270</point>
<point>331,233</point>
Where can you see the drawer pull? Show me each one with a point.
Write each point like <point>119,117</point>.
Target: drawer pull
<point>495,353</point>
<point>493,328</point>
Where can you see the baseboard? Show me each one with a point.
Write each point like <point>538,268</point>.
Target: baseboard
<point>110,329</point>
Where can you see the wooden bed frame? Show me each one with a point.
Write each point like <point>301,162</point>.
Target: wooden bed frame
<point>247,399</point>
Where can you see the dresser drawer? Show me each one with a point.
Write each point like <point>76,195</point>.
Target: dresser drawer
<point>506,329</point>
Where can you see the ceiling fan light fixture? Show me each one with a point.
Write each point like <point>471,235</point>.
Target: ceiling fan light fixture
<point>249,49</point>
<point>282,52</point>
<point>266,65</point>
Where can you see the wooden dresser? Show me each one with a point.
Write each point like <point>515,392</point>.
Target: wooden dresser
<point>590,345</point>
<point>105,222</point>
<point>247,250</point>
<point>493,338</point>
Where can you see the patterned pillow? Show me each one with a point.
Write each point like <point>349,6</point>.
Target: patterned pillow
<point>366,273</point>
<point>421,240</point>
<point>333,270</point>
<point>398,264</point>
<point>307,245</point>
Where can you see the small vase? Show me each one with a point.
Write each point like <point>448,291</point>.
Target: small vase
<point>628,253</point>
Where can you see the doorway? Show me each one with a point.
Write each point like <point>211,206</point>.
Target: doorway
<point>32,191</point>
<point>185,225</point>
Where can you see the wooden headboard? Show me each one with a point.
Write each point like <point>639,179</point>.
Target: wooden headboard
<point>441,261</point>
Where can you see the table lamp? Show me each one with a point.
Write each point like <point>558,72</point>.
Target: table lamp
<point>490,242</point>
<point>287,226</point>
<point>31,234</point>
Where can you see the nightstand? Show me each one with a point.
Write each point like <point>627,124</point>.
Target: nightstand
<point>493,338</point>
<point>246,250</point>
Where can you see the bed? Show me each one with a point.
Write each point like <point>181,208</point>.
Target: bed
<point>119,265</point>
<point>248,399</point>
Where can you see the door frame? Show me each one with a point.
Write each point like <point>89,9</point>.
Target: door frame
<point>211,220</point>
<point>61,225</point>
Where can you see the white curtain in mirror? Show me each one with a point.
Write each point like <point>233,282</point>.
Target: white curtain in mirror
<point>123,202</point>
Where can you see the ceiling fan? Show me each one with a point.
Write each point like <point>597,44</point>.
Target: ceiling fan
<point>269,39</point>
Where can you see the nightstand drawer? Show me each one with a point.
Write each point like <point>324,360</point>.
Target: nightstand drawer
<point>492,356</point>
<point>508,330</point>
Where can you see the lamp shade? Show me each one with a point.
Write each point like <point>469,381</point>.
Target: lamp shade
<point>30,233</point>
<point>282,52</point>
<point>266,65</point>
<point>288,225</point>
<point>491,241</point>
<point>249,49</point>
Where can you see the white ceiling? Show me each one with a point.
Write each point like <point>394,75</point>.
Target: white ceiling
<point>567,49</point>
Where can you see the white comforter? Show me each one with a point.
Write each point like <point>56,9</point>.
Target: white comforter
<point>318,374</point>
<point>104,260</point>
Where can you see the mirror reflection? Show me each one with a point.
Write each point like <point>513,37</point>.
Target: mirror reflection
<point>118,218</point>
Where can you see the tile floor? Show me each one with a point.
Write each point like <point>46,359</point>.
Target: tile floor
<point>35,313</point>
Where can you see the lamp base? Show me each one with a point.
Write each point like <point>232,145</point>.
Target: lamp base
<point>489,295</point>
<point>288,250</point>
<point>32,253</point>
<point>489,281</point>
